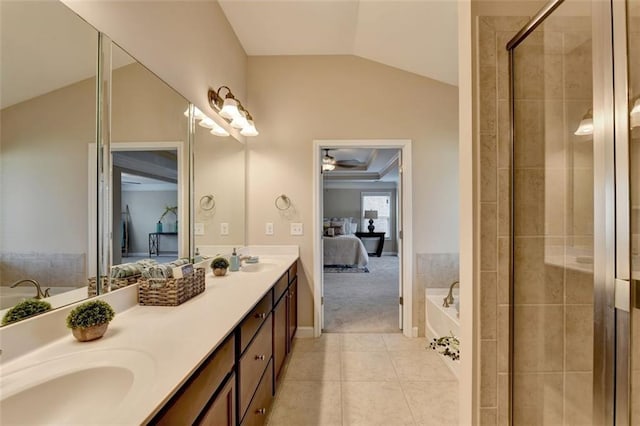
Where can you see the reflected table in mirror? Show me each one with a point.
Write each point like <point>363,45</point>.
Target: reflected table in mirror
<point>154,242</point>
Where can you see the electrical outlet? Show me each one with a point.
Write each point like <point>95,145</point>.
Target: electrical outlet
<point>224,228</point>
<point>268,228</point>
<point>296,228</point>
<point>198,228</point>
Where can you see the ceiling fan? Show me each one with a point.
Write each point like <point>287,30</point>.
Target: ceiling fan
<point>330,163</point>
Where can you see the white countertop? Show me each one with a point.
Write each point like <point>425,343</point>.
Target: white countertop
<point>175,339</point>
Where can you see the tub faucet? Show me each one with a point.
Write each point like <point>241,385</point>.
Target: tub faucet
<point>449,299</point>
<point>39,293</point>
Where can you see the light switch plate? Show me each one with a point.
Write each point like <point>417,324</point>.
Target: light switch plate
<point>268,228</point>
<point>198,228</point>
<point>296,228</point>
<point>224,228</point>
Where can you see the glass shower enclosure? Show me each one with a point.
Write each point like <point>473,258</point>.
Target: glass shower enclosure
<point>575,215</point>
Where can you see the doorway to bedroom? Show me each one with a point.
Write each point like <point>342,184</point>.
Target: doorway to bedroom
<point>360,211</point>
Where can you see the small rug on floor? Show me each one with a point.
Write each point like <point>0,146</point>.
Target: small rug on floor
<point>344,268</point>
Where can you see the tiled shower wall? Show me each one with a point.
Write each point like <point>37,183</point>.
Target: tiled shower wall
<point>553,298</point>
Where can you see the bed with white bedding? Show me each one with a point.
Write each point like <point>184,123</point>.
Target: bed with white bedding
<point>344,250</point>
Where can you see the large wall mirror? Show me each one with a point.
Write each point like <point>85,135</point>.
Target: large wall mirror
<point>150,165</point>
<point>48,180</point>
<point>48,124</point>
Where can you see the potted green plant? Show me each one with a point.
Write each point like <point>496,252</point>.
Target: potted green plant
<point>219,266</point>
<point>25,309</point>
<point>89,321</point>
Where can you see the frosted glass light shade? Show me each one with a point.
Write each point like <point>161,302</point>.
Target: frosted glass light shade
<point>207,123</point>
<point>230,109</point>
<point>249,129</point>
<point>585,127</point>
<point>327,167</point>
<point>634,115</point>
<point>239,122</point>
<point>219,131</point>
<point>197,114</point>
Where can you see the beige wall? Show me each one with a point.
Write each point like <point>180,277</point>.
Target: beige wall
<point>188,44</point>
<point>44,166</point>
<point>297,99</point>
<point>219,171</point>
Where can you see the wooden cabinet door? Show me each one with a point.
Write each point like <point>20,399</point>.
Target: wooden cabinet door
<point>280,332</point>
<point>223,410</point>
<point>293,310</point>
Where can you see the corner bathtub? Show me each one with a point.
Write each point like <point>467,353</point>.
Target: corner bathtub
<point>441,321</point>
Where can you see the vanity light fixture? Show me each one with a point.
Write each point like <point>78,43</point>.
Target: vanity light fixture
<point>634,115</point>
<point>207,122</point>
<point>586,124</point>
<point>232,110</point>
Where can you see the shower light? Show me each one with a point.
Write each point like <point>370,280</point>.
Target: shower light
<point>634,115</point>
<point>586,124</point>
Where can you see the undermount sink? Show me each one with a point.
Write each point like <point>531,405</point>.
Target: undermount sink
<point>83,388</point>
<point>258,267</point>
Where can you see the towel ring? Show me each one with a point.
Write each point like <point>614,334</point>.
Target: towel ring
<point>283,202</point>
<point>207,202</point>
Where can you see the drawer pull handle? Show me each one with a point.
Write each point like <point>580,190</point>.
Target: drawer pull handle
<point>261,411</point>
<point>260,357</point>
<point>260,316</point>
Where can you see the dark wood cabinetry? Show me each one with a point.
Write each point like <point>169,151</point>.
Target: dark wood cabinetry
<point>235,385</point>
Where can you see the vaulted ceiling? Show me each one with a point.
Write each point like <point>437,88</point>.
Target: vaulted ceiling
<point>419,36</point>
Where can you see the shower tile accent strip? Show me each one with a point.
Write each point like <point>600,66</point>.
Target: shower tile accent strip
<point>494,162</point>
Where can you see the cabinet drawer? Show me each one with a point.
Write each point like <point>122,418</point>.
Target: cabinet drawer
<point>293,271</point>
<point>222,412</point>
<point>195,394</point>
<point>280,288</point>
<point>253,362</point>
<point>254,320</point>
<point>280,330</point>
<point>261,403</point>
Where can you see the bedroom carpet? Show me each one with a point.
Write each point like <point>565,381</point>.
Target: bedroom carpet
<point>363,303</point>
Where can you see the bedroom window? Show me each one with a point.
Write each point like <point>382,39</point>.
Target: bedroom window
<point>381,202</point>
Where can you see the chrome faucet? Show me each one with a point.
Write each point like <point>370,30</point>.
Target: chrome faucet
<point>39,293</point>
<point>449,299</point>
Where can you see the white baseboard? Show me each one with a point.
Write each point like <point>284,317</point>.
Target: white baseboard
<point>304,332</point>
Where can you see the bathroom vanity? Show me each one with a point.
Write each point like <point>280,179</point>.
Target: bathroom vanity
<point>236,384</point>
<point>215,359</point>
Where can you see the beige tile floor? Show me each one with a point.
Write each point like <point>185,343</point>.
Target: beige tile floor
<point>365,379</point>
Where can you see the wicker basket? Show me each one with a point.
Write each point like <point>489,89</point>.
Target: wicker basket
<point>115,284</point>
<point>173,292</point>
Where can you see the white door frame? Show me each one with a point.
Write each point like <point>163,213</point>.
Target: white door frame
<point>406,242</point>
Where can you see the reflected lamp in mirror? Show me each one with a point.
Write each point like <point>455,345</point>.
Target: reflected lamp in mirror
<point>634,115</point>
<point>371,214</point>
<point>232,110</point>
<point>586,124</point>
<point>207,122</point>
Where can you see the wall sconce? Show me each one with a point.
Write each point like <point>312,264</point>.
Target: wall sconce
<point>233,111</point>
<point>634,115</point>
<point>207,122</point>
<point>586,124</point>
<point>328,162</point>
